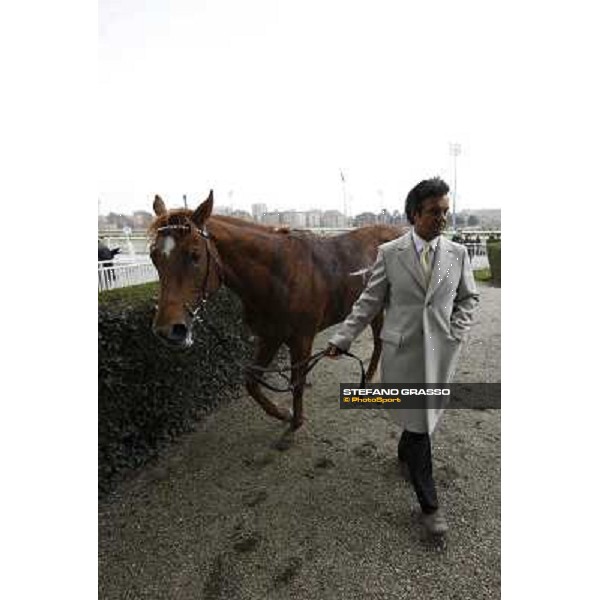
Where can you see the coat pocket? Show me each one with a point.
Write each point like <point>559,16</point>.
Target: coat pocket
<point>392,337</point>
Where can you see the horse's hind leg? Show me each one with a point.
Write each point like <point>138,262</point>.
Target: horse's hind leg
<point>376,325</point>
<point>265,351</point>
<point>299,352</point>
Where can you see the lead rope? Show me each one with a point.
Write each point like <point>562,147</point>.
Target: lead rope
<point>257,373</point>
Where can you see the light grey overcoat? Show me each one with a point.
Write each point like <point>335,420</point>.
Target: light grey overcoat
<point>423,327</point>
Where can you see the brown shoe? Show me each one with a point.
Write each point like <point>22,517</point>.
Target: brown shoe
<point>435,523</point>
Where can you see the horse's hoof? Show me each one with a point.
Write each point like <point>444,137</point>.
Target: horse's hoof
<point>285,442</point>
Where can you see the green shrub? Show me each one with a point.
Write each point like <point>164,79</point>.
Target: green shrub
<point>482,275</point>
<point>148,394</point>
<point>493,252</point>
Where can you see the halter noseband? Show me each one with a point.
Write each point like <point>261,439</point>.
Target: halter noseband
<point>203,295</point>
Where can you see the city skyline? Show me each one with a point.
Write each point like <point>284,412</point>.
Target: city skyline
<point>122,203</point>
<point>316,218</point>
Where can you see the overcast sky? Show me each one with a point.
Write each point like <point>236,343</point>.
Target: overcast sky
<point>267,101</point>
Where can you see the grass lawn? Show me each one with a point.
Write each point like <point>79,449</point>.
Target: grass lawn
<point>482,275</point>
<point>133,293</point>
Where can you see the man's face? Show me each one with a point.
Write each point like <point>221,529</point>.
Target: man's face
<point>431,221</point>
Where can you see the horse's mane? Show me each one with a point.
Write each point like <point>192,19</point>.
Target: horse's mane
<point>182,217</point>
<point>252,224</point>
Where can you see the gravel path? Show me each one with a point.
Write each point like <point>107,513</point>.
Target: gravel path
<point>232,511</point>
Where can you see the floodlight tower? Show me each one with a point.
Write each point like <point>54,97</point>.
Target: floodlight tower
<point>455,151</point>
<point>344,194</point>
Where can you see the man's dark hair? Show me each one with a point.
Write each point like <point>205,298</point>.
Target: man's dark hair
<point>428,188</point>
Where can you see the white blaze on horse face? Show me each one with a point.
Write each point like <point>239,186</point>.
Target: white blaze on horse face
<point>168,245</point>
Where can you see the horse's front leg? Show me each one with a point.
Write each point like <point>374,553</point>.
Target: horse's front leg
<point>300,349</point>
<point>265,351</point>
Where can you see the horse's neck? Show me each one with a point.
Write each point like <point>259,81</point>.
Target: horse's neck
<point>240,252</point>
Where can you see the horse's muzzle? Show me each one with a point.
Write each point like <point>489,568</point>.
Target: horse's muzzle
<point>178,335</point>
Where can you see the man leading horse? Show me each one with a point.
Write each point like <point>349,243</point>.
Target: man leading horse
<point>425,284</point>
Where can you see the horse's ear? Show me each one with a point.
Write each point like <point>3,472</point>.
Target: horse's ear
<point>204,211</point>
<point>159,206</point>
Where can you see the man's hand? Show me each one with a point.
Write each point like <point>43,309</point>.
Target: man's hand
<point>332,351</point>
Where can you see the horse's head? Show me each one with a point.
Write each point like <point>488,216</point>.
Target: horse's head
<point>187,262</point>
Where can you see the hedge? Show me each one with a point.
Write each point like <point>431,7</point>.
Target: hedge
<point>148,394</point>
<point>493,252</point>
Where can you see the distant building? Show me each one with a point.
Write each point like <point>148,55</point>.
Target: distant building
<point>299,220</point>
<point>242,214</point>
<point>366,218</point>
<point>487,218</point>
<point>398,218</point>
<point>384,217</point>
<point>141,219</point>
<point>258,210</point>
<point>313,218</point>
<point>294,219</point>
<point>333,219</point>
<point>222,210</point>
<point>286,217</point>
<point>118,221</point>
<point>272,218</point>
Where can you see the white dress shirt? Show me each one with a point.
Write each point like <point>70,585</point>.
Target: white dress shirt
<point>419,243</point>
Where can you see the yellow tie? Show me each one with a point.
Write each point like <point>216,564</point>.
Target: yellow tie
<point>426,262</point>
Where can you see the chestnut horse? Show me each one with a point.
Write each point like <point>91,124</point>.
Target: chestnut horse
<point>292,284</point>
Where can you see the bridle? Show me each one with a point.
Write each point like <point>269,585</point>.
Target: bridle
<point>196,311</point>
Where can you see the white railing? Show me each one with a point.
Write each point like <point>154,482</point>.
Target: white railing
<point>113,274</point>
<point>477,254</point>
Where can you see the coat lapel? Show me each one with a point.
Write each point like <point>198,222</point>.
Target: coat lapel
<point>408,257</point>
<point>444,255</point>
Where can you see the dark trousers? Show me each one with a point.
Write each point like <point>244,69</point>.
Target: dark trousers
<point>415,450</point>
